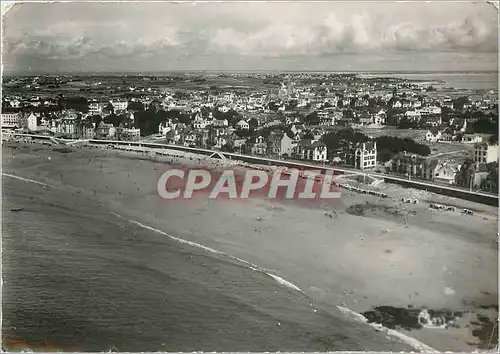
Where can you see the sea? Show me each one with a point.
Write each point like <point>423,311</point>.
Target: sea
<point>457,80</point>
<point>464,80</point>
<point>77,277</point>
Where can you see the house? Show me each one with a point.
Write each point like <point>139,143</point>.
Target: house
<point>105,130</point>
<point>431,110</point>
<point>189,139</point>
<point>64,126</point>
<point>165,127</point>
<point>365,155</point>
<point>299,150</point>
<point>286,145</point>
<point>485,152</point>
<point>472,175</point>
<point>10,120</point>
<point>199,122</point>
<point>131,133</point>
<point>95,108</point>
<point>220,123</point>
<point>414,116</point>
<point>274,143</point>
<point>380,117</point>
<point>433,135</point>
<point>242,125</point>
<point>297,128</point>
<point>326,118</point>
<point>445,173</point>
<point>30,122</point>
<point>365,119</point>
<point>119,105</point>
<point>203,137</point>
<point>173,136</point>
<point>316,151</point>
<point>311,150</point>
<point>257,146</point>
<point>471,138</point>
<point>87,132</point>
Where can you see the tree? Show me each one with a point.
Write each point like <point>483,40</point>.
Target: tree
<point>254,123</point>
<point>135,106</point>
<point>465,174</point>
<point>312,118</point>
<point>109,109</point>
<point>184,119</point>
<point>78,103</point>
<point>384,155</point>
<point>97,119</point>
<point>227,147</point>
<point>308,135</point>
<point>485,125</point>
<point>397,145</point>
<point>458,103</point>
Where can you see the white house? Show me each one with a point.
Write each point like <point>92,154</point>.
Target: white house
<point>119,105</point>
<point>131,133</point>
<point>243,125</point>
<point>471,139</point>
<point>366,155</point>
<point>10,120</point>
<point>413,115</point>
<point>380,117</point>
<point>485,153</point>
<point>433,135</point>
<point>445,173</point>
<point>317,151</point>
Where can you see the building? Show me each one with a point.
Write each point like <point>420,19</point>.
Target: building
<point>10,120</point>
<point>131,133</point>
<point>106,130</point>
<point>485,153</point>
<point>220,123</point>
<point>286,145</point>
<point>445,173</point>
<point>380,117</point>
<point>311,150</point>
<point>316,151</point>
<point>95,108</point>
<point>119,105</point>
<point>326,118</point>
<point>242,125</point>
<point>471,138</point>
<point>365,155</point>
<point>433,135</point>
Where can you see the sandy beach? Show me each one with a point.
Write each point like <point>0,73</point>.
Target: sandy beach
<point>372,252</point>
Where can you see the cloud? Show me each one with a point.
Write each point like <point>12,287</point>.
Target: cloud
<point>249,35</point>
<point>358,34</point>
<point>60,45</point>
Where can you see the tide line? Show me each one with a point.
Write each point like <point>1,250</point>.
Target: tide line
<point>414,343</point>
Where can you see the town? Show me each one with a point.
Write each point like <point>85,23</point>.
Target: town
<point>422,130</point>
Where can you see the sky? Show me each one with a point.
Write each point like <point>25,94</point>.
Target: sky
<point>321,36</point>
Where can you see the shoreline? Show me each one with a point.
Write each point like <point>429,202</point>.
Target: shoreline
<point>255,206</point>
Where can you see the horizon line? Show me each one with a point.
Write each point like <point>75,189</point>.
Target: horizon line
<point>256,71</point>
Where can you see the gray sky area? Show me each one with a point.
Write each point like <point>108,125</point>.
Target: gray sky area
<point>334,36</point>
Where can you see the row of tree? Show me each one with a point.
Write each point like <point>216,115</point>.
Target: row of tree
<point>387,146</point>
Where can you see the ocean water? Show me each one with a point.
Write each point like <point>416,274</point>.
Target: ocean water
<point>456,80</point>
<point>76,277</point>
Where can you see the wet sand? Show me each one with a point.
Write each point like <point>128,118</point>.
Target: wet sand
<point>392,254</point>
